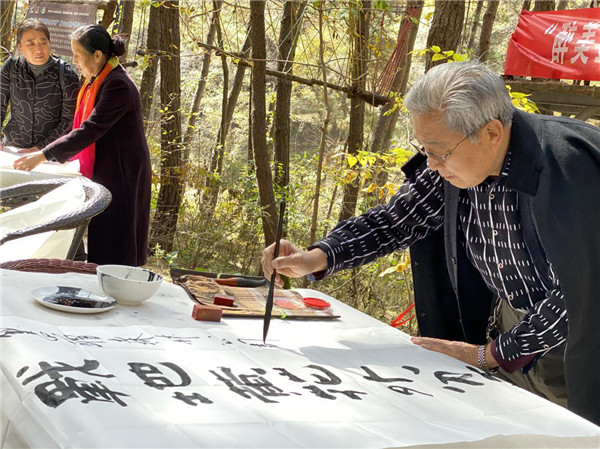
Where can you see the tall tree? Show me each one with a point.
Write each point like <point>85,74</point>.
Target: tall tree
<point>236,88</point>
<point>164,223</point>
<point>153,54</point>
<point>264,176</point>
<point>386,121</point>
<point>475,24</point>
<point>289,31</point>
<point>313,223</point>
<point>359,36</point>
<point>194,111</point>
<point>446,28</point>
<point>7,8</point>
<point>486,29</point>
<point>407,34</point>
<point>125,24</point>
<point>218,155</point>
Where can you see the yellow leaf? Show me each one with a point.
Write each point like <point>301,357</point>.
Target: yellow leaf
<point>351,175</point>
<point>352,160</point>
<point>435,48</point>
<point>372,187</point>
<point>401,267</point>
<point>437,57</point>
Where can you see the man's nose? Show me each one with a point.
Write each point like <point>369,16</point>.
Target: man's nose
<point>433,163</point>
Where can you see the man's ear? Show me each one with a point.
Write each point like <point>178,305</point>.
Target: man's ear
<point>494,132</point>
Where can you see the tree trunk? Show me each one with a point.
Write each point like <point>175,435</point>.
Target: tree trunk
<point>189,134</point>
<point>486,29</point>
<point>234,93</point>
<point>171,171</point>
<point>408,33</point>
<point>126,24</point>
<point>236,88</point>
<point>314,220</point>
<point>562,4</point>
<point>213,182</point>
<point>291,22</point>
<point>543,5</point>
<point>475,25</point>
<point>216,161</point>
<point>359,38</point>
<point>149,75</point>
<point>259,138</point>
<point>446,28</point>
<point>7,10</point>
<point>386,122</point>
<point>526,5</point>
<point>109,14</point>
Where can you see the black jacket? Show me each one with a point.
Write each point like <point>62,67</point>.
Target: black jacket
<point>556,172</point>
<point>42,108</point>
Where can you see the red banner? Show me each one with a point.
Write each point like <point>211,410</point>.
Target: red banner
<point>556,44</point>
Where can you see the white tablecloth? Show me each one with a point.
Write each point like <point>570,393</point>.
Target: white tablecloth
<point>151,376</point>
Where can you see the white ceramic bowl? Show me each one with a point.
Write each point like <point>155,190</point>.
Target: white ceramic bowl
<point>128,285</point>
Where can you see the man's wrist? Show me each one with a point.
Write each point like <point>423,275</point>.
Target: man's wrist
<point>485,359</point>
<point>318,259</point>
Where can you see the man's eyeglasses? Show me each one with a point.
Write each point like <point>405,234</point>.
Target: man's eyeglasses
<point>430,154</point>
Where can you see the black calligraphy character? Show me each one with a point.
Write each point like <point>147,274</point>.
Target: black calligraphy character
<point>406,391</point>
<point>7,332</point>
<point>60,389</point>
<point>153,377</point>
<point>87,391</point>
<point>191,398</point>
<point>284,372</point>
<point>49,337</point>
<point>329,394</point>
<point>249,385</point>
<point>54,371</point>
<point>446,377</point>
<point>373,376</point>
<point>83,340</point>
<point>177,339</point>
<point>331,378</point>
<point>137,340</point>
<point>412,369</point>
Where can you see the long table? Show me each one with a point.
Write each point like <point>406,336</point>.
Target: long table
<point>152,377</point>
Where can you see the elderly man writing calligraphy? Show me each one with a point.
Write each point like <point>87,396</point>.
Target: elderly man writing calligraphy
<point>503,216</point>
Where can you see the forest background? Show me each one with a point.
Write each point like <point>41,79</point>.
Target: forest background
<point>247,103</point>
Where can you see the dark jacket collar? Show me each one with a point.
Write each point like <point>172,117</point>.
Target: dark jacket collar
<point>525,147</point>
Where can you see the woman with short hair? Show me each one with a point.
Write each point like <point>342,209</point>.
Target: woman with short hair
<point>39,88</point>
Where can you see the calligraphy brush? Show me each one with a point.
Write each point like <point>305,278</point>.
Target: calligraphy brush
<point>269,303</point>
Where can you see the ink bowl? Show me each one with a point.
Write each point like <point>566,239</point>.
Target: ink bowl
<point>130,286</point>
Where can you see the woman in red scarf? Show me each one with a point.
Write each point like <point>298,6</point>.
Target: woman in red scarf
<point>109,142</point>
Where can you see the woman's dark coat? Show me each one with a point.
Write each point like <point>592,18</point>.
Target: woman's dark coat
<point>119,235</point>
